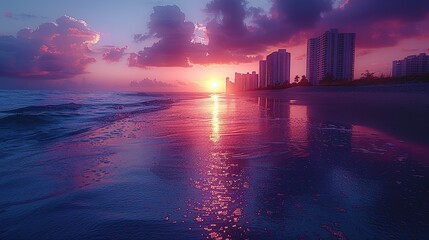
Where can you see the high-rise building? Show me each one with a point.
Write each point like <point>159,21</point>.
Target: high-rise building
<point>262,81</point>
<point>331,57</point>
<point>414,65</point>
<point>312,61</point>
<point>229,86</point>
<point>253,81</point>
<point>239,82</point>
<point>277,68</point>
<point>242,82</point>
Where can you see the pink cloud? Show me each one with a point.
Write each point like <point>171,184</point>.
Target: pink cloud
<point>8,14</point>
<point>114,54</point>
<point>55,50</point>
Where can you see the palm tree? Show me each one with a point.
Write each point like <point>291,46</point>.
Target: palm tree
<point>296,79</point>
<point>367,75</point>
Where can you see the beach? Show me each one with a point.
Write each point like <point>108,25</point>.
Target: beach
<point>299,163</point>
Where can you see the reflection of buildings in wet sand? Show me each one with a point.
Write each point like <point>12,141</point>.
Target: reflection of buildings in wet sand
<point>308,147</point>
<point>298,129</point>
<point>285,131</point>
<point>288,122</point>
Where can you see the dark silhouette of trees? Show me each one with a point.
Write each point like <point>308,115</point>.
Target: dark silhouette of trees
<point>304,81</point>
<point>367,75</point>
<point>296,79</point>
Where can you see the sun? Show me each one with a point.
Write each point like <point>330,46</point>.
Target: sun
<point>214,86</point>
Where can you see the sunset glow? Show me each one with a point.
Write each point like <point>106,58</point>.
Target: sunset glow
<point>111,51</point>
<point>214,86</point>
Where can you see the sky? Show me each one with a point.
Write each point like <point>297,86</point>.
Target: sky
<point>184,45</point>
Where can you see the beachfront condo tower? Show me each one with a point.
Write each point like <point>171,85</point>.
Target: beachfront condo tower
<point>262,80</point>
<point>414,65</point>
<point>277,69</point>
<point>331,57</point>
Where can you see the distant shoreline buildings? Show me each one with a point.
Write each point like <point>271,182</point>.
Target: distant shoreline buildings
<point>242,82</point>
<point>330,58</point>
<point>273,73</point>
<point>414,65</point>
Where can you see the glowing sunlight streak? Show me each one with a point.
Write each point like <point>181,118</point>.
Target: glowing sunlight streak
<point>215,135</point>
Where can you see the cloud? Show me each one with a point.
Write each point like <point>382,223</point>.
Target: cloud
<point>20,16</point>
<point>248,30</point>
<point>55,50</point>
<point>114,54</point>
<point>8,14</point>
<point>410,49</point>
<point>363,52</point>
<point>302,14</point>
<point>149,83</point>
<point>301,57</point>
<point>176,47</point>
<point>236,32</point>
<point>379,23</point>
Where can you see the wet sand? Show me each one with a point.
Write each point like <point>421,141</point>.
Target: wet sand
<point>400,110</point>
<point>304,163</point>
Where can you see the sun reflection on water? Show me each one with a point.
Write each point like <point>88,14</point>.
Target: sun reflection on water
<point>220,208</point>
<point>215,136</point>
<point>222,184</point>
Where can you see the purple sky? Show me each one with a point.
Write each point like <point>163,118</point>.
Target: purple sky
<point>186,45</point>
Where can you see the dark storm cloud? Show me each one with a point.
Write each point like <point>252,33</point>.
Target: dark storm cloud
<point>379,23</point>
<point>173,49</point>
<point>237,32</point>
<point>378,10</point>
<point>248,30</point>
<point>54,50</point>
<point>114,54</point>
<point>176,47</point>
<point>302,14</point>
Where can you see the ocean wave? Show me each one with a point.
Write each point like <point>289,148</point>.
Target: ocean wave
<point>44,108</point>
<point>25,119</point>
<point>46,122</point>
<point>141,94</point>
<point>160,102</point>
<point>122,115</point>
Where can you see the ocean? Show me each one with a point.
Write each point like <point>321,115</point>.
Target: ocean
<point>263,165</point>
